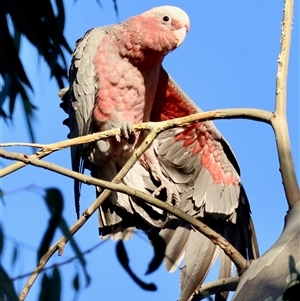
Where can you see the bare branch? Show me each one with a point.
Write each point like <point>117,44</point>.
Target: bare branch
<point>50,148</point>
<point>283,59</point>
<point>16,166</point>
<point>116,182</point>
<point>214,287</point>
<point>244,113</point>
<point>69,260</point>
<point>241,263</point>
<point>35,145</point>
<point>87,214</point>
<point>156,128</point>
<point>279,122</point>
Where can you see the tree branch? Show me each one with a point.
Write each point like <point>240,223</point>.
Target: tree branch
<point>35,145</point>
<point>279,122</point>
<point>155,129</point>
<point>69,260</point>
<point>270,271</point>
<point>241,263</point>
<point>283,59</point>
<point>214,287</point>
<point>244,113</point>
<point>86,215</point>
<point>217,239</point>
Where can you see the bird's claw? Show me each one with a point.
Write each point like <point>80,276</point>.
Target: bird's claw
<point>173,197</point>
<point>127,133</point>
<point>126,130</point>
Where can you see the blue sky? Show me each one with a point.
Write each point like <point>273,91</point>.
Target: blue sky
<point>229,59</point>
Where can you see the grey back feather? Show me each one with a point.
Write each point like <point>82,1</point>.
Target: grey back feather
<point>80,96</point>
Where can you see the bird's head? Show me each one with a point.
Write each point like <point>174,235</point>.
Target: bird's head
<point>167,22</point>
<point>159,30</point>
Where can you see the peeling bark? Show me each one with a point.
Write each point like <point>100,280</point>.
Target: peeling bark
<point>268,277</point>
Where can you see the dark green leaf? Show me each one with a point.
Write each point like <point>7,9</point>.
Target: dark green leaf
<point>54,202</point>
<point>76,283</point>
<point>9,57</point>
<point>6,286</point>
<point>45,289</point>
<point>46,241</point>
<point>116,8</point>
<point>60,18</point>
<point>122,254</point>
<point>292,293</point>
<point>2,196</point>
<point>1,239</point>
<point>37,22</point>
<point>17,39</point>
<point>51,286</point>
<point>159,247</point>
<point>15,255</point>
<point>64,228</point>
<point>292,266</point>
<point>124,260</point>
<point>99,3</point>
<point>3,114</point>
<point>55,285</point>
<point>29,113</point>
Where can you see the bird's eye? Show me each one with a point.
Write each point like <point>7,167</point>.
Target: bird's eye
<point>166,18</point>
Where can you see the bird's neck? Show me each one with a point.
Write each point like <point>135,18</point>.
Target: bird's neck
<point>140,53</point>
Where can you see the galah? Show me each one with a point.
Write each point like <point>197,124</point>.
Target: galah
<point>116,79</point>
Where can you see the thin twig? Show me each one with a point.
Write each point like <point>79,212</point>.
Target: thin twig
<point>235,256</point>
<point>116,181</point>
<point>59,245</point>
<point>71,259</point>
<point>35,145</point>
<point>245,113</point>
<point>279,122</point>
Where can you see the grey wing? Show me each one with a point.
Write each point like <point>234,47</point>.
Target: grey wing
<point>79,98</point>
<point>211,191</point>
<point>202,166</point>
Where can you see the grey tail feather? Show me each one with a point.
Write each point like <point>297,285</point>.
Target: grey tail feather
<point>249,229</point>
<point>188,282</point>
<point>224,272</point>
<point>79,167</point>
<point>253,249</point>
<point>77,187</point>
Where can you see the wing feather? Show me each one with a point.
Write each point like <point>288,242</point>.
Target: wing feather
<point>175,234</point>
<point>80,96</point>
<point>214,194</point>
<point>224,272</point>
<point>198,261</point>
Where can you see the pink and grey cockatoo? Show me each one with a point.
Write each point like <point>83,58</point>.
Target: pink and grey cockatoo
<point>116,80</point>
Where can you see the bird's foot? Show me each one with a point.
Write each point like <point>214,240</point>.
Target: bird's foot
<point>173,197</point>
<point>150,162</point>
<point>127,133</point>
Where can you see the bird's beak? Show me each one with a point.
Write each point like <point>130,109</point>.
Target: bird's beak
<point>181,33</point>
